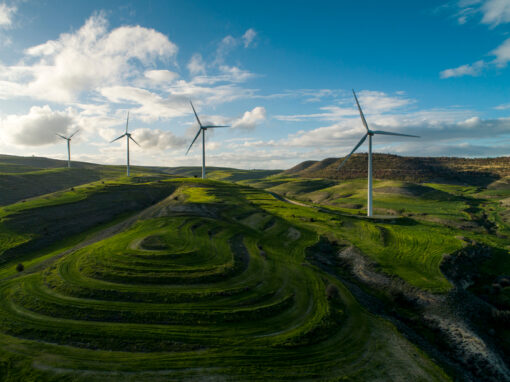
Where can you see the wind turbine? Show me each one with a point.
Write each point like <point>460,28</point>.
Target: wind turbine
<point>68,139</point>
<point>201,129</point>
<point>369,134</point>
<point>128,137</point>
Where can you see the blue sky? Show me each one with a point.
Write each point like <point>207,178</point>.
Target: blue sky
<point>279,72</point>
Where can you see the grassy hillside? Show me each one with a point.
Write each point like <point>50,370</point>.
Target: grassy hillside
<point>211,281</point>
<point>162,278</point>
<point>25,177</point>
<point>476,171</point>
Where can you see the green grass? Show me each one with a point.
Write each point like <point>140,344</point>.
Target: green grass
<point>163,278</point>
<point>211,282</point>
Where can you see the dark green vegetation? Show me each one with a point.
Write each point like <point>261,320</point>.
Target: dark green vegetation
<point>163,278</point>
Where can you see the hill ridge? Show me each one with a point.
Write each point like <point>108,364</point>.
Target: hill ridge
<point>476,171</point>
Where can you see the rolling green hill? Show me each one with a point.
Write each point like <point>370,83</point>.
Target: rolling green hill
<point>259,275</point>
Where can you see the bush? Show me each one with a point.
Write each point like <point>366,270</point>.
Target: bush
<point>332,292</point>
<point>20,267</point>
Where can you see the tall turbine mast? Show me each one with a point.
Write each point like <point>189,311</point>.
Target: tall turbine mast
<point>369,134</point>
<point>201,129</point>
<point>128,137</point>
<point>68,139</point>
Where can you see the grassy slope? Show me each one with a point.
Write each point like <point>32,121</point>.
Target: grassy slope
<point>27,177</point>
<point>436,217</point>
<point>212,281</point>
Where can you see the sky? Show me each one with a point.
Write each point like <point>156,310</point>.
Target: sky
<point>280,73</point>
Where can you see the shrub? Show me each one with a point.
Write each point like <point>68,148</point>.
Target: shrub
<point>20,267</point>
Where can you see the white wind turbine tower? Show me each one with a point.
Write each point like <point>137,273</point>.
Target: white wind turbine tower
<point>68,139</point>
<point>128,137</point>
<point>369,134</point>
<point>201,129</point>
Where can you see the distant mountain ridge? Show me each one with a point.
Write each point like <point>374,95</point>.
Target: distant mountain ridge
<point>476,171</point>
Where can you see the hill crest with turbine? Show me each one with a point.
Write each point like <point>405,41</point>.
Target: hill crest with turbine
<point>476,171</point>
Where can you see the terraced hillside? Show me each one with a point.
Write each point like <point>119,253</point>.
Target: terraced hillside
<point>449,239</point>
<point>212,281</point>
<point>274,277</point>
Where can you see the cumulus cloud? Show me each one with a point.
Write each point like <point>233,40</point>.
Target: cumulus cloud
<point>59,70</point>
<point>158,139</point>
<point>6,15</point>
<point>250,119</point>
<point>248,37</point>
<point>39,127</point>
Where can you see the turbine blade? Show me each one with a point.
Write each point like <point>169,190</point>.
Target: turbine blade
<point>397,134</point>
<point>133,139</point>
<point>194,139</point>
<point>116,139</point>
<point>213,126</point>
<point>72,135</point>
<point>353,150</point>
<point>360,112</point>
<point>196,116</point>
<point>61,136</point>
<point>127,122</point>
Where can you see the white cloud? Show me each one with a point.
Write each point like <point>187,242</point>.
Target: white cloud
<point>502,57</point>
<point>372,102</point>
<point>503,107</point>
<point>378,102</point>
<point>151,105</point>
<point>434,126</point>
<point>227,44</point>
<point>196,65</point>
<point>248,37</point>
<point>250,119</point>
<point>158,139</point>
<point>464,70</point>
<point>6,14</point>
<point>38,127</point>
<point>161,75</point>
<point>84,60</point>
<point>495,12</point>
<point>502,53</point>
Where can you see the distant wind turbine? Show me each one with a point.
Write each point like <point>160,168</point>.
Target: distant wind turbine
<point>369,134</point>
<point>68,139</point>
<point>128,137</point>
<point>201,129</point>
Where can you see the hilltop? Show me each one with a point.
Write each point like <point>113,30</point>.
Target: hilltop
<point>475,171</point>
<point>250,275</point>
